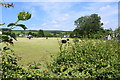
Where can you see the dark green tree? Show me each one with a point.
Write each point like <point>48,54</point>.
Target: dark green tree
<point>30,33</point>
<point>75,33</point>
<point>40,33</point>
<point>88,25</point>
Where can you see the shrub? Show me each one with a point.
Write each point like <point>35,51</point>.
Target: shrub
<point>88,59</point>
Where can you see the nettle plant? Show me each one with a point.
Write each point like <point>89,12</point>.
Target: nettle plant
<point>10,68</point>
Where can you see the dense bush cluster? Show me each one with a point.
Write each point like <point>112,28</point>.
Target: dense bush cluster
<point>88,59</point>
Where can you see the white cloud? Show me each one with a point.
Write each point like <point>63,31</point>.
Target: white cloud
<point>53,22</point>
<point>108,25</point>
<point>56,26</point>
<point>63,17</point>
<point>67,15</point>
<point>32,27</point>
<point>31,9</point>
<point>108,10</point>
<point>54,7</point>
<point>105,8</point>
<point>44,24</point>
<point>33,12</point>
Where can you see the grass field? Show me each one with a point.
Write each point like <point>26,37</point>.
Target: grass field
<point>35,49</point>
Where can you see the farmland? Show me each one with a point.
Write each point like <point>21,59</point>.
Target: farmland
<point>36,49</point>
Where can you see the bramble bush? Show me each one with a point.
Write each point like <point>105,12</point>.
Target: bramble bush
<point>96,59</point>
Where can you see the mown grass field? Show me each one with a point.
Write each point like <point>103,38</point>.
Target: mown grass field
<point>35,50</point>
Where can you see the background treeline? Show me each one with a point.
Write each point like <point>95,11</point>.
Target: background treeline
<point>42,33</point>
<point>101,33</point>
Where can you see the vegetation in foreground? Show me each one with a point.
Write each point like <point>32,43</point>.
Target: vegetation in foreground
<point>88,59</point>
<point>98,59</point>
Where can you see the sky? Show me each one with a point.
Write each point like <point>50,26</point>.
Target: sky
<point>61,15</point>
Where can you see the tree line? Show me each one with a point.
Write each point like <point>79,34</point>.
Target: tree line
<point>39,33</point>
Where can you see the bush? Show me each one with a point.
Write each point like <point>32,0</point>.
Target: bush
<point>88,59</point>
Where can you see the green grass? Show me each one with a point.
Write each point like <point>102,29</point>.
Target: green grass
<point>35,49</point>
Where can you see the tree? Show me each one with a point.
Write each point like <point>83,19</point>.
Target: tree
<point>88,25</point>
<point>30,33</point>
<point>75,33</point>
<point>40,33</point>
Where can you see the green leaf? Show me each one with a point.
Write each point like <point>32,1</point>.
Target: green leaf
<point>28,16</point>
<point>5,38</point>
<point>22,26</point>
<point>11,24</point>
<point>21,15</point>
<point>24,16</point>
<point>13,36</point>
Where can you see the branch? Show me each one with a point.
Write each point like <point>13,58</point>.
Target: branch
<point>7,5</point>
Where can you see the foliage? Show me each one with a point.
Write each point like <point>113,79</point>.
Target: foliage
<point>88,59</point>
<point>7,5</point>
<point>33,34</point>
<point>40,33</point>
<point>8,35</point>
<point>24,16</point>
<point>87,25</point>
<point>10,67</point>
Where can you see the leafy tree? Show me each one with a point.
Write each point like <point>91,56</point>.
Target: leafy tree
<point>33,34</point>
<point>40,33</point>
<point>30,33</point>
<point>75,33</point>
<point>88,25</point>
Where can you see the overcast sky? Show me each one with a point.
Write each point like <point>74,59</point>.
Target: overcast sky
<point>61,15</point>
